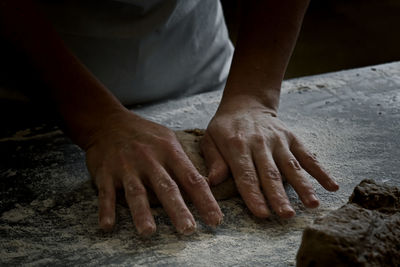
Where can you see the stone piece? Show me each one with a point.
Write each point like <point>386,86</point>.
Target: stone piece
<point>363,232</point>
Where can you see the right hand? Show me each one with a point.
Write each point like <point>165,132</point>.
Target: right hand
<point>132,153</point>
<point>246,137</point>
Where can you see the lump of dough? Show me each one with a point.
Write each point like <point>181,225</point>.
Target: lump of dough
<point>190,141</point>
<point>364,232</point>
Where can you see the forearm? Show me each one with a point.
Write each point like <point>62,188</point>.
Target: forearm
<point>267,36</point>
<point>81,99</point>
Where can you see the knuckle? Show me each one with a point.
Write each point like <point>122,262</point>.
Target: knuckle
<point>273,174</point>
<point>124,165</point>
<point>258,139</point>
<point>304,186</point>
<point>195,180</point>
<point>290,136</point>
<point>307,188</point>
<point>237,142</point>
<point>141,151</point>
<point>104,192</point>
<point>278,141</point>
<point>248,178</point>
<point>182,211</point>
<point>167,137</point>
<point>310,191</point>
<point>294,140</point>
<point>133,189</point>
<point>165,142</point>
<point>254,196</point>
<point>294,164</point>
<point>167,186</point>
<point>311,157</point>
<point>177,154</point>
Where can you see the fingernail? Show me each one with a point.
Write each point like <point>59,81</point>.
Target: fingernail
<point>313,201</point>
<point>334,185</point>
<point>214,218</point>
<point>146,230</point>
<point>286,211</point>
<point>188,228</point>
<point>263,211</point>
<point>106,223</point>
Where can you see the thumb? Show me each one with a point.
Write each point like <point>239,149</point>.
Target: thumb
<point>218,170</point>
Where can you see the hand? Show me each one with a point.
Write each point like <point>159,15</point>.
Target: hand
<point>134,154</point>
<point>247,138</point>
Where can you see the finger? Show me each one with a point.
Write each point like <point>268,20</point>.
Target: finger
<point>289,166</point>
<point>271,182</point>
<point>310,163</point>
<point>241,164</point>
<point>168,193</point>
<point>217,169</point>
<point>195,185</point>
<point>106,199</point>
<point>136,197</point>
<point>248,186</point>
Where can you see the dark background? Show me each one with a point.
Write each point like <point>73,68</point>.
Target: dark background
<point>340,34</point>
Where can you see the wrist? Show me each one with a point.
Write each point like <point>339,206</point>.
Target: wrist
<point>90,127</point>
<point>253,86</point>
<point>245,101</point>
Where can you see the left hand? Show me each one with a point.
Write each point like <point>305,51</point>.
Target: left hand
<point>247,138</point>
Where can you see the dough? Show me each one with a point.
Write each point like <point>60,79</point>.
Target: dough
<point>190,141</point>
<point>364,232</point>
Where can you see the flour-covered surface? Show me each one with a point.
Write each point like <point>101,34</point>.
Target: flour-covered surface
<point>48,207</point>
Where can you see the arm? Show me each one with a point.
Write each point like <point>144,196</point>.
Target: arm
<point>67,79</point>
<point>122,149</point>
<point>245,134</point>
<point>267,36</point>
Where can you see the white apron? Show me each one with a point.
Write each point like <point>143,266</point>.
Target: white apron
<point>147,50</point>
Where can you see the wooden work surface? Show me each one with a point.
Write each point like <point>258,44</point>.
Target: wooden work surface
<point>48,208</point>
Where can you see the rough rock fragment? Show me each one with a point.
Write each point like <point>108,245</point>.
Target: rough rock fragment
<point>363,232</point>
